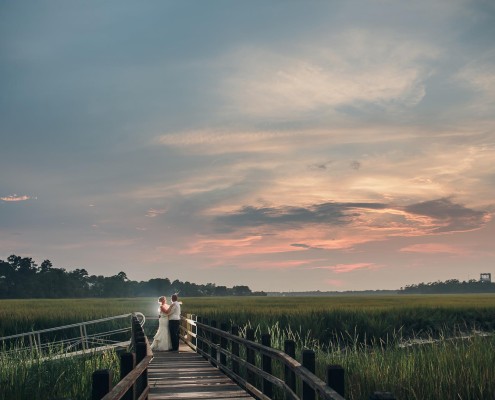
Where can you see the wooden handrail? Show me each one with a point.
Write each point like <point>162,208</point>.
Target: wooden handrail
<point>139,373</point>
<point>315,383</point>
<point>121,388</point>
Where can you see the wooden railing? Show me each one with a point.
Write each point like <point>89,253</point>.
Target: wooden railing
<point>251,364</point>
<point>73,339</point>
<point>133,384</point>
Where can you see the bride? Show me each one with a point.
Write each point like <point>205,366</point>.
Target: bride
<point>161,340</point>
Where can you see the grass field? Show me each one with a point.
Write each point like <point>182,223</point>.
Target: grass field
<point>362,333</point>
<point>409,314</point>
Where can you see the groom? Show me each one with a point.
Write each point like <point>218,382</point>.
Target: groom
<point>174,322</point>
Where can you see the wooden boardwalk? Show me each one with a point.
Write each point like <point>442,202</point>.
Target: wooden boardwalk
<point>187,375</point>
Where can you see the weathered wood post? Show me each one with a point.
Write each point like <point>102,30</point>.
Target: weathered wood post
<point>84,336</point>
<point>139,338</point>
<point>309,362</point>
<point>206,335</point>
<point>235,349</point>
<point>194,330</point>
<point>266,364</point>
<point>382,396</point>
<point>223,345</point>
<point>250,357</point>
<point>199,335</point>
<point>213,349</point>
<point>142,382</point>
<point>289,375</point>
<point>127,364</point>
<point>136,329</point>
<point>190,329</point>
<point>101,384</point>
<point>133,331</point>
<point>335,379</point>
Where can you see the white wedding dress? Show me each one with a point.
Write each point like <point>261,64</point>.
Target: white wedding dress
<point>161,340</point>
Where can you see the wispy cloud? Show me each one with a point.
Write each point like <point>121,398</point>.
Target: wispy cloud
<point>153,213</point>
<point>444,216</point>
<point>429,217</point>
<point>14,197</point>
<point>479,76</point>
<point>353,67</point>
<point>434,248</point>
<point>328,213</point>
<point>345,268</point>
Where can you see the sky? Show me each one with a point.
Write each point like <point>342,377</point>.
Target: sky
<point>283,145</point>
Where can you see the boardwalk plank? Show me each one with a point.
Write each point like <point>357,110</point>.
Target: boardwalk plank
<point>187,375</point>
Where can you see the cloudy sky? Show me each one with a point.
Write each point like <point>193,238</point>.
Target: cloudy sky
<point>284,145</point>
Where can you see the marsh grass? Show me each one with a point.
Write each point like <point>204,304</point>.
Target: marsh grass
<point>371,318</point>
<point>28,375</point>
<point>364,334</point>
<point>21,316</point>
<point>444,368</point>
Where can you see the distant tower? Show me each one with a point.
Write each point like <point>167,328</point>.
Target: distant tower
<point>485,277</point>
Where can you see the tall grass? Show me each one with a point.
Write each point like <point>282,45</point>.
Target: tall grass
<point>362,333</point>
<point>20,316</point>
<point>371,318</point>
<point>443,369</point>
<point>26,375</point>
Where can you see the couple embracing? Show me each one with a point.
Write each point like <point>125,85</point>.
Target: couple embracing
<point>167,336</point>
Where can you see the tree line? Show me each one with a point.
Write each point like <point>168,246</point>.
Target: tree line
<point>449,286</point>
<point>21,277</point>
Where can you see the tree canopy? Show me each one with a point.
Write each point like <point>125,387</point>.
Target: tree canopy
<point>449,286</point>
<point>21,277</point>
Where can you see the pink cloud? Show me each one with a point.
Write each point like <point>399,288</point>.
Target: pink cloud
<point>15,198</point>
<point>277,264</point>
<point>343,268</point>
<point>434,248</point>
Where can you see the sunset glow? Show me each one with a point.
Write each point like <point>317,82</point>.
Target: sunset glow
<point>352,148</point>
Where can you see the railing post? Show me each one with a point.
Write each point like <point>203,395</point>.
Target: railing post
<point>206,334</point>
<point>266,365</point>
<point>83,338</point>
<point>35,346</point>
<point>39,343</point>
<point>127,364</point>
<point>309,362</point>
<point>223,345</point>
<point>31,337</point>
<point>235,350</point>
<point>194,329</point>
<point>139,338</point>
<point>142,382</point>
<point>213,349</point>
<point>133,331</point>
<point>289,375</point>
<point>198,335</point>
<point>335,379</point>
<point>101,384</point>
<point>189,326</point>
<point>250,357</point>
<point>137,329</point>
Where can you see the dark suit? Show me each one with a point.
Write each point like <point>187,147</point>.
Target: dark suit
<point>174,324</point>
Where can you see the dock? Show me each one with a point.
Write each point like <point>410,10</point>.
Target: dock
<point>187,375</point>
